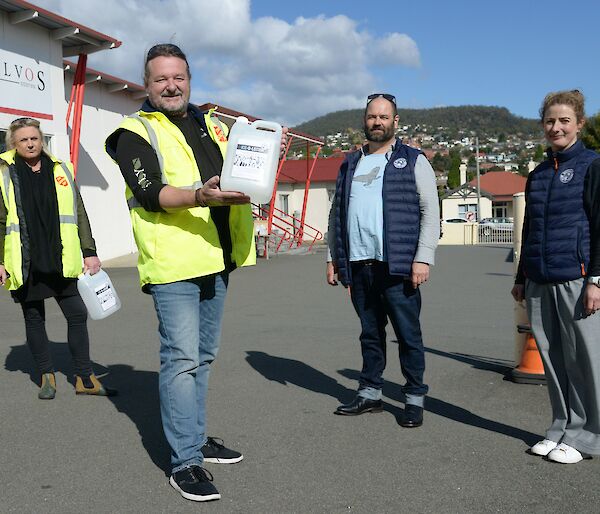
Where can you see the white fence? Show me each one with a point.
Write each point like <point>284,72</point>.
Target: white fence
<point>473,233</point>
<point>496,235</point>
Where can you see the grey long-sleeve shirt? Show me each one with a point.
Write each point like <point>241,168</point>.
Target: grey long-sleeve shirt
<point>429,227</point>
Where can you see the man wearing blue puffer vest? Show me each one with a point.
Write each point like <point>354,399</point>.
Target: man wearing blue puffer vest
<point>383,232</point>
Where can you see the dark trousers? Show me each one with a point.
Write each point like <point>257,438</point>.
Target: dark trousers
<point>75,313</point>
<point>377,296</point>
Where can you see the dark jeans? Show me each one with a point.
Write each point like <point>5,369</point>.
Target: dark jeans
<point>377,296</point>
<point>75,313</point>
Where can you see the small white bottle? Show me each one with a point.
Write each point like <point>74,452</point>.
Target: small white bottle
<point>98,294</point>
<point>250,164</point>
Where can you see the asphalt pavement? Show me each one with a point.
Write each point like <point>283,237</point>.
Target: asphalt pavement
<point>289,356</point>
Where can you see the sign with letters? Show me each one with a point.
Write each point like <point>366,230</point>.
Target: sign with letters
<point>24,86</point>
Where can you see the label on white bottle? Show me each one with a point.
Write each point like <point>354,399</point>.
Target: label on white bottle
<point>105,296</point>
<point>251,159</point>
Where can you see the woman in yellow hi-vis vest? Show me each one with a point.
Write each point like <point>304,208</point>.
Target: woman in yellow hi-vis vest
<point>44,230</point>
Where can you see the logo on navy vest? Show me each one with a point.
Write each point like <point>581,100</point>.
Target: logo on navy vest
<point>566,175</point>
<point>400,163</point>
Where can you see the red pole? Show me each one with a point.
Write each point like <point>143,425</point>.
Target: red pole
<point>70,103</point>
<point>74,89</point>
<point>306,188</point>
<point>79,94</point>
<point>272,204</point>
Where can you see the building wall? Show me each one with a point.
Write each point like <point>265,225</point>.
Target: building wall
<point>33,47</point>
<point>317,209</point>
<point>450,206</point>
<point>99,178</point>
<point>27,45</point>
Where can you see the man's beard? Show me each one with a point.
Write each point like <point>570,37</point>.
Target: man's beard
<point>172,110</point>
<point>380,137</point>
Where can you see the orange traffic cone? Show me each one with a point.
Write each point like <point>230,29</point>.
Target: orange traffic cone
<point>531,369</point>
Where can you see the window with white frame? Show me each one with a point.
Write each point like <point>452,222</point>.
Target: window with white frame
<point>465,208</point>
<point>500,210</point>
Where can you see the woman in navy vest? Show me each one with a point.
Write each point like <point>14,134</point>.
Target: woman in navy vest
<point>559,276</point>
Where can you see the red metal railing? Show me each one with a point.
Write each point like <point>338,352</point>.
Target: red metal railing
<point>292,229</point>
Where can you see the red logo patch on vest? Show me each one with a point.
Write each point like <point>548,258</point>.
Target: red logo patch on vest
<point>62,181</point>
<point>219,133</point>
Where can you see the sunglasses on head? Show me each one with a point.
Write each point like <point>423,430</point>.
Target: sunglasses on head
<point>389,98</point>
<point>24,121</point>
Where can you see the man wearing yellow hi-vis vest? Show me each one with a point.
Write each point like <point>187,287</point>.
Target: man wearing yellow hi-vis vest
<point>190,235</point>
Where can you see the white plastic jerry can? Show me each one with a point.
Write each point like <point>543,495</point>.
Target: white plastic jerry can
<point>98,294</point>
<point>251,160</point>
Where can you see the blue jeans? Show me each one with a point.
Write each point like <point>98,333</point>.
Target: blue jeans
<point>377,296</point>
<point>189,324</point>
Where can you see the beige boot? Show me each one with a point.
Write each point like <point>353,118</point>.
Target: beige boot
<point>96,389</point>
<point>48,387</point>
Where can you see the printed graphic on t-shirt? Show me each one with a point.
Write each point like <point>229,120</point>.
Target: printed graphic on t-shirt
<point>367,179</point>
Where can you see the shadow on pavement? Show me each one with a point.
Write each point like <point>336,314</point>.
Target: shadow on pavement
<point>20,359</point>
<point>137,398</point>
<point>500,366</point>
<point>290,371</point>
<point>453,412</point>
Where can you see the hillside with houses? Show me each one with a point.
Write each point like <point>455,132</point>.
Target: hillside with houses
<point>447,136</point>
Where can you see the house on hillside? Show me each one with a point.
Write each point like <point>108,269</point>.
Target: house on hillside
<point>497,190</point>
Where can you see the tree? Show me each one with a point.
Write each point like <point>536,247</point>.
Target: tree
<point>591,133</point>
<point>454,173</point>
<point>538,156</point>
<point>356,137</point>
<point>440,162</point>
<point>453,179</point>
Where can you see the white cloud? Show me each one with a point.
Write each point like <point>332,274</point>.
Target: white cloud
<point>267,67</point>
<point>397,49</point>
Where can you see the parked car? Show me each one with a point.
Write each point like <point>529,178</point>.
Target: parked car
<point>488,225</point>
<point>454,220</point>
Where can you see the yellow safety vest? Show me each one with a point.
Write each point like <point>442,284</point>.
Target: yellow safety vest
<point>66,195</point>
<point>182,244</point>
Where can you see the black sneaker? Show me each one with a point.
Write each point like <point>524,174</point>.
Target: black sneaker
<point>215,453</point>
<point>194,483</point>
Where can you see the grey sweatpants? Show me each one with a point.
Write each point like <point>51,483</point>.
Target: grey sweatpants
<point>569,343</point>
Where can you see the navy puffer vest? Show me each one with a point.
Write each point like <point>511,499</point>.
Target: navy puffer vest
<point>401,214</point>
<point>557,245</point>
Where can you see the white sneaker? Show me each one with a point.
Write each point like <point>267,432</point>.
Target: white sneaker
<point>565,454</point>
<point>543,448</point>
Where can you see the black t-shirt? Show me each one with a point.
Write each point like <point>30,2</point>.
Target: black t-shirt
<point>141,171</point>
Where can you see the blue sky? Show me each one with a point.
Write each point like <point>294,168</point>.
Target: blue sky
<point>292,61</point>
<point>508,53</point>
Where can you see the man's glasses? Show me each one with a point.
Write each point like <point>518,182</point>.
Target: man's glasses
<point>389,98</point>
